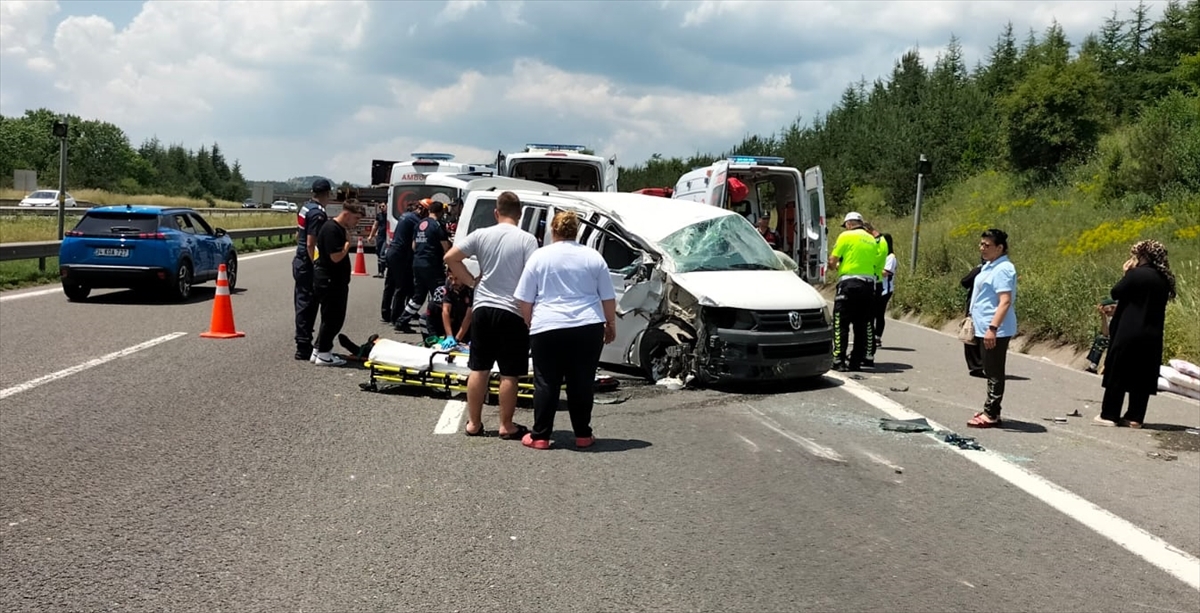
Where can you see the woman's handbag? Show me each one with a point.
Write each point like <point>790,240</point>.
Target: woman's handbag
<point>966,331</point>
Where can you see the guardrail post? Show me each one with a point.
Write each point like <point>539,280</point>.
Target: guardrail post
<point>41,264</point>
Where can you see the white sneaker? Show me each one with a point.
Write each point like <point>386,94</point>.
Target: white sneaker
<point>328,359</point>
<point>313,358</point>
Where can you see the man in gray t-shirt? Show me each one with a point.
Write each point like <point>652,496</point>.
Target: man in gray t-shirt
<point>499,335</point>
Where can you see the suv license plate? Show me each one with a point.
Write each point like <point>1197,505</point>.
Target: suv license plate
<point>112,253</point>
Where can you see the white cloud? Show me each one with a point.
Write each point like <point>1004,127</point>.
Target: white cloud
<point>40,64</point>
<point>455,10</point>
<point>23,24</point>
<point>450,101</point>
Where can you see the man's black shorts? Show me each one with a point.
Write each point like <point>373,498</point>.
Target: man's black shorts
<point>499,337</point>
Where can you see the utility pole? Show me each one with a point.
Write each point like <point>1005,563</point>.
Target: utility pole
<point>60,131</point>
<point>924,167</point>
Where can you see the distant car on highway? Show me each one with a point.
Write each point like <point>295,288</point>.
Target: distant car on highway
<point>249,203</point>
<point>283,205</point>
<point>45,197</point>
<point>133,246</point>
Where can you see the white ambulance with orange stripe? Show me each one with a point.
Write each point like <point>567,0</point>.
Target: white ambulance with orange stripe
<point>566,167</point>
<point>757,186</point>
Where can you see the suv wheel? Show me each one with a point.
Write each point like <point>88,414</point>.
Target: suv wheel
<point>76,293</point>
<point>181,286</point>
<point>231,271</point>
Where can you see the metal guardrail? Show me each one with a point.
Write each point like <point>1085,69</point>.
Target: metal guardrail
<point>80,210</point>
<point>49,249</point>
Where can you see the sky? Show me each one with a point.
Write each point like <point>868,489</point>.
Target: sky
<point>292,88</point>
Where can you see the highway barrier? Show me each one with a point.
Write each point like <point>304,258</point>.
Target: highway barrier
<point>49,249</point>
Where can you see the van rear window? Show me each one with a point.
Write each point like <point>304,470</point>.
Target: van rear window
<point>481,216</point>
<point>117,223</point>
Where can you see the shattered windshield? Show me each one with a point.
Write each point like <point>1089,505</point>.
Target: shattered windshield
<point>727,242</point>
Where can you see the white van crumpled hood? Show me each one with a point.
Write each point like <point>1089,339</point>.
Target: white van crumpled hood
<point>768,290</point>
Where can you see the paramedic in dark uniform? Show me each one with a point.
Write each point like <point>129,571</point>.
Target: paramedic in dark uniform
<point>855,256</point>
<point>397,280</point>
<point>430,245</point>
<point>309,219</point>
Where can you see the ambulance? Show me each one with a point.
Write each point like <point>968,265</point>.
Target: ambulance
<point>566,167</point>
<point>756,186</point>
<point>449,188</point>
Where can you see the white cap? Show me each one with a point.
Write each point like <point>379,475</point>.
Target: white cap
<point>852,216</point>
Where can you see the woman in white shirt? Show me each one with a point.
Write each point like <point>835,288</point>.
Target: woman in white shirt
<point>888,287</point>
<point>568,302</point>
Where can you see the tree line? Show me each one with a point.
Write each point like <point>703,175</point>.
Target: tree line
<point>1126,101</point>
<point>100,156</point>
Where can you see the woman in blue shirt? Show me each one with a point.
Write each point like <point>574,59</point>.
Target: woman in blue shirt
<point>568,301</point>
<point>993,311</point>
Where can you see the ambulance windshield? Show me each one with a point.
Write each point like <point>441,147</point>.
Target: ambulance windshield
<point>727,242</point>
<point>405,194</point>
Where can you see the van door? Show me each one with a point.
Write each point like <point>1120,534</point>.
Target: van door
<point>638,294</point>
<point>535,219</point>
<point>816,235</point>
<point>610,176</point>
<point>717,194</point>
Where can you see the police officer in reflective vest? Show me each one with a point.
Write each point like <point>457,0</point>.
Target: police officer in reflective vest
<point>855,256</point>
<point>309,219</point>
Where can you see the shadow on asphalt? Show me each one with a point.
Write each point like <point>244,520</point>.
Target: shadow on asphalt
<point>888,368</point>
<point>1012,425</point>
<point>143,296</point>
<point>762,388</point>
<point>603,445</point>
<point>1015,378</point>
<point>1165,427</point>
<point>904,349</point>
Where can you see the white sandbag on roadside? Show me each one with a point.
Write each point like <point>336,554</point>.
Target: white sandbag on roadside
<point>1186,368</point>
<point>1167,386</point>
<point>1178,378</point>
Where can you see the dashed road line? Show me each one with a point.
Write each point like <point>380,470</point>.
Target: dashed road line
<point>66,372</point>
<point>451,417</point>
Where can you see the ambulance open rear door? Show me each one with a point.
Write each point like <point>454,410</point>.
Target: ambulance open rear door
<point>813,233</point>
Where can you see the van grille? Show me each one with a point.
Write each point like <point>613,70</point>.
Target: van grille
<point>779,321</point>
<point>783,352</point>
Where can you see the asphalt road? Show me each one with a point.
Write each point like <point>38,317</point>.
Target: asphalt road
<point>222,475</point>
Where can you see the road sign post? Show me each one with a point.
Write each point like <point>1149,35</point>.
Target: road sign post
<point>60,131</point>
<point>924,166</point>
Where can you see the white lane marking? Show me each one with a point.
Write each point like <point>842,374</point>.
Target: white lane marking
<point>1177,563</point>
<point>66,372</point>
<point>752,444</point>
<point>451,417</point>
<point>266,254</point>
<point>878,459</point>
<point>810,446</point>
<point>41,292</point>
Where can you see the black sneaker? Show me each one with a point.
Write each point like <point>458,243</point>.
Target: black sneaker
<point>840,366</point>
<point>854,367</point>
<point>868,363</point>
<point>303,353</point>
<point>404,328</point>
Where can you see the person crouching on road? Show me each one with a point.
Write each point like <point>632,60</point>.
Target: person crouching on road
<point>1136,349</point>
<point>994,313</point>
<point>332,279</point>
<point>449,315</point>
<point>309,220</point>
<point>855,256</point>
<point>430,244</point>
<point>567,298</point>
<point>499,337</point>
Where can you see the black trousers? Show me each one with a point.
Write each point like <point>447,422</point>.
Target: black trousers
<point>332,294</point>
<point>568,355</point>
<point>1110,407</point>
<point>853,307</point>
<point>381,255</point>
<point>397,285</point>
<point>305,303</point>
<point>881,305</point>
<point>425,281</point>
<point>995,362</point>
<point>973,354</point>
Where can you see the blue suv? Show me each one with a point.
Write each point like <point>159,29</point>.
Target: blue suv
<point>143,246</point>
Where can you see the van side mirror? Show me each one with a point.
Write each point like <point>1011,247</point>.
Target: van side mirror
<point>219,232</point>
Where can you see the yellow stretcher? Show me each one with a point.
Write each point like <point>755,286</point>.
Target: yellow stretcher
<point>444,371</point>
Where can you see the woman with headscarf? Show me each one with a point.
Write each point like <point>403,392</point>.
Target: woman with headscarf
<point>1136,333</point>
<point>567,298</point>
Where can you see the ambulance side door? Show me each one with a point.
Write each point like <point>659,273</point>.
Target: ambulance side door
<point>610,175</point>
<point>814,233</point>
<point>717,192</point>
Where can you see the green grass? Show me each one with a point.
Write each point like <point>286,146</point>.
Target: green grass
<point>25,273</point>
<point>29,228</point>
<point>99,196</point>
<point>1067,245</point>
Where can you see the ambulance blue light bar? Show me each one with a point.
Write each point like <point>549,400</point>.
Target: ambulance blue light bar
<point>444,157</point>
<point>756,160</point>
<point>547,147</point>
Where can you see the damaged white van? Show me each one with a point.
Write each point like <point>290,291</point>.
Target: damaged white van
<point>699,292</point>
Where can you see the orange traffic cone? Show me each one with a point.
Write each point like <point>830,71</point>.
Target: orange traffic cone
<point>360,261</point>
<point>222,313</point>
